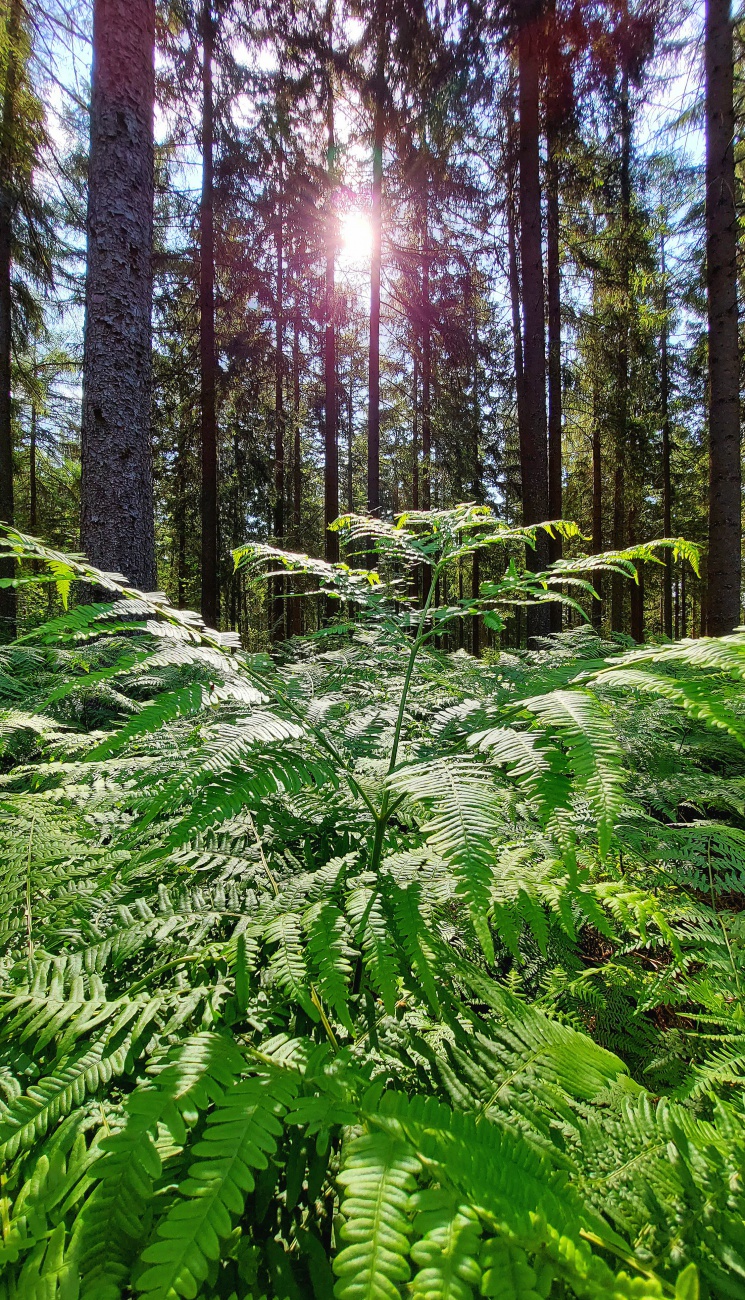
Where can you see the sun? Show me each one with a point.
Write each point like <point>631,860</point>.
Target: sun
<point>356,237</point>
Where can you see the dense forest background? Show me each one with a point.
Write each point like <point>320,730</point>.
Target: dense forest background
<point>402,256</point>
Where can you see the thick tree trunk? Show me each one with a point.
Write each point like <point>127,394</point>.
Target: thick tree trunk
<point>554,356</point>
<point>534,434</point>
<point>373,417</point>
<point>667,574</point>
<point>724,560</point>
<point>513,271</point>
<point>426,485</point>
<point>331,466</point>
<point>350,438</point>
<point>415,438</point>
<point>622,388</point>
<point>597,515</point>
<point>296,612</point>
<point>210,595</point>
<point>7,208</point>
<point>117,522</point>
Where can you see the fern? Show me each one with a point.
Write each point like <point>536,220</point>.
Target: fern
<point>378,1177</point>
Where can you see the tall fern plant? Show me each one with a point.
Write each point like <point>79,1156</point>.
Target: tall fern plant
<point>297,999</point>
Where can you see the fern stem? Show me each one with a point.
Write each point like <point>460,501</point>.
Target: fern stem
<point>416,647</point>
<point>29,939</point>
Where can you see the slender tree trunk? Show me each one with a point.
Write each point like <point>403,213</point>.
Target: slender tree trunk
<point>373,418</point>
<point>296,612</point>
<point>534,434</point>
<point>667,573</point>
<point>32,504</point>
<point>350,437</point>
<point>117,520</point>
<point>278,603</point>
<point>7,209</point>
<point>622,393</point>
<point>514,280</point>
<point>597,513</point>
<point>426,486</point>
<point>210,595</point>
<point>724,560</point>
<point>415,438</point>
<point>554,355</point>
<point>331,467</point>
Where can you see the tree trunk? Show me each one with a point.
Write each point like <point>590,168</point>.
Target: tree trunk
<point>117,521</point>
<point>7,208</point>
<point>415,438</point>
<point>278,605</point>
<point>554,356</point>
<point>32,502</point>
<point>373,417</point>
<point>426,357</point>
<point>514,279</point>
<point>331,467</point>
<point>622,399</point>
<point>667,574</point>
<point>597,513</point>
<point>296,612</point>
<point>350,437</point>
<point>210,596</point>
<point>724,560</point>
<point>534,434</point>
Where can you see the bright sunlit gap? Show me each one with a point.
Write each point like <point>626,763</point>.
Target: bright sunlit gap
<point>356,237</point>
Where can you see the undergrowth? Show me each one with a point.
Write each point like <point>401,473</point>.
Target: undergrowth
<point>366,969</point>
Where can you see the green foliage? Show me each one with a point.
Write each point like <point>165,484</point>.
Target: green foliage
<point>369,969</point>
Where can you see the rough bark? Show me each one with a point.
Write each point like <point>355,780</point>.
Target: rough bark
<point>597,513</point>
<point>724,559</point>
<point>373,416</point>
<point>553,278</point>
<point>7,208</point>
<point>117,523</point>
<point>534,433</point>
<point>622,385</point>
<point>278,515</point>
<point>415,438</point>
<point>331,448</point>
<point>210,591</point>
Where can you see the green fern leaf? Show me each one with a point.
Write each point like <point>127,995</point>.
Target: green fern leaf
<point>378,1177</point>
<point>240,1133</point>
<point>448,1247</point>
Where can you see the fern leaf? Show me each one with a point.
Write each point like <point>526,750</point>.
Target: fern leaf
<point>378,1177</point>
<point>240,1133</point>
<point>448,1247</point>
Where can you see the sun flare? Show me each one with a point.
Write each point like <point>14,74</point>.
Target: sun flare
<point>356,236</point>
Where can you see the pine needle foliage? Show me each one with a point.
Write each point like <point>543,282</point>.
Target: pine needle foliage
<point>368,969</point>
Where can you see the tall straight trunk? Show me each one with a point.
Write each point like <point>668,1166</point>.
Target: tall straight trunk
<point>296,612</point>
<point>373,416</point>
<point>331,465</point>
<point>534,434</point>
<point>7,208</point>
<point>32,494</point>
<point>597,513</point>
<point>278,521</point>
<point>117,520</point>
<point>514,282</point>
<point>415,438</point>
<point>426,486</point>
<point>350,438</point>
<point>207,360</point>
<point>180,511</point>
<point>724,560</point>
<point>622,387</point>
<point>554,354</point>
<point>667,573</point>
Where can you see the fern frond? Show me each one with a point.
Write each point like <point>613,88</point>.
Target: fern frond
<point>378,1177</point>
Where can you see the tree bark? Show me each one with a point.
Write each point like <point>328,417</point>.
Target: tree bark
<point>667,574</point>
<point>554,355</point>
<point>415,438</point>
<point>724,560</point>
<point>278,604</point>
<point>373,417</point>
<point>621,438</point>
<point>117,521</point>
<point>534,433</point>
<point>210,592</point>
<point>331,466</point>
<point>8,604</point>
<point>513,271</point>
